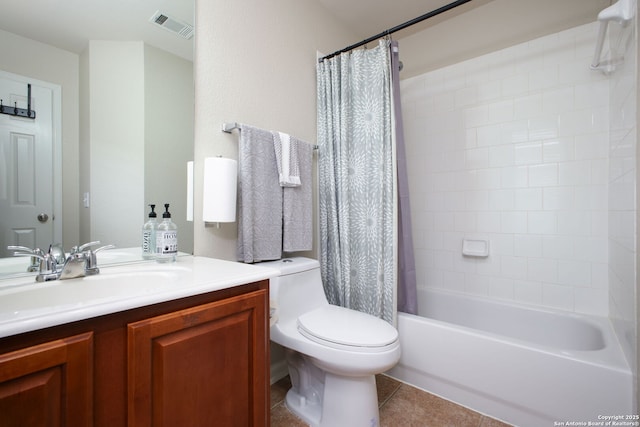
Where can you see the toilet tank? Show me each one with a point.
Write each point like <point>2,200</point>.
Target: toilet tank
<point>298,289</point>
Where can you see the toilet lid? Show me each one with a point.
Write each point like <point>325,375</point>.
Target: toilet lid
<point>345,327</point>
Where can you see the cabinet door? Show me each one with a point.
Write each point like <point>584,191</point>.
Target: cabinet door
<point>202,366</point>
<point>48,385</point>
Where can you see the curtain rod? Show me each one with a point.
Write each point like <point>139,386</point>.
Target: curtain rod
<point>421,18</point>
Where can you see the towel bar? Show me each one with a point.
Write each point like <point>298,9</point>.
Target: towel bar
<point>227,127</point>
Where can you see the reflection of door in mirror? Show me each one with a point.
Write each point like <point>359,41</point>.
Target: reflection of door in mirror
<point>28,154</point>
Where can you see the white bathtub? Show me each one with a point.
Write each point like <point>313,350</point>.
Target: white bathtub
<point>525,366</point>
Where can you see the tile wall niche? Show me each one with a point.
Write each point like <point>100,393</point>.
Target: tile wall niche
<point>513,147</point>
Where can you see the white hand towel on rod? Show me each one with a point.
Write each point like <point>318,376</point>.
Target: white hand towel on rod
<point>286,149</point>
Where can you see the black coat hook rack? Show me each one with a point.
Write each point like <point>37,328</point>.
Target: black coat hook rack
<point>20,112</point>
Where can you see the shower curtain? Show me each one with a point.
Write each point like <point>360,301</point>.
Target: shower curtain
<point>407,282</point>
<point>357,181</point>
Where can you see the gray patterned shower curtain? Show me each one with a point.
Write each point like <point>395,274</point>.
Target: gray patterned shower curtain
<point>357,171</point>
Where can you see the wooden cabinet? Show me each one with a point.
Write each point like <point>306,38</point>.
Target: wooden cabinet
<point>196,361</point>
<point>48,384</point>
<point>200,366</point>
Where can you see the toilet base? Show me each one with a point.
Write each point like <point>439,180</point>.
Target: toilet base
<point>309,412</point>
<point>347,401</point>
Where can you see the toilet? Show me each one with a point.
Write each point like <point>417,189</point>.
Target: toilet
<point>333,353</point>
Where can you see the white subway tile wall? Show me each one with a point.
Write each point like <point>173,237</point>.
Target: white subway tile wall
<point>621,181</point>
<point>513,147</point>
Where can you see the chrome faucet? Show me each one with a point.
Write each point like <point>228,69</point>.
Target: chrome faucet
<point>82,261</point>
<point>74,266</point>
<point>34,265</point>
<point>91,263</point>
<point>53,266</point>
<point>47,265</point>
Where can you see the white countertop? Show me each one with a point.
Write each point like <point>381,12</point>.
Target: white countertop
<point>27,306</point>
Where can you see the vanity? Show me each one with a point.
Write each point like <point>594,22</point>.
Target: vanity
<point>141,344</point>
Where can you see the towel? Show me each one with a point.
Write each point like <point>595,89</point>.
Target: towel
<point>298,204</point>
<point>286,149</point>
<point>259,198</point>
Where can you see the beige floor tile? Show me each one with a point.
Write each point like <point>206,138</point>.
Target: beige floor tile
<point>386,387</point>
<point>490,422</point>
<point>282,417</point>
<point>400,406</point>
<point>279,390</point>
<point>410,407</point>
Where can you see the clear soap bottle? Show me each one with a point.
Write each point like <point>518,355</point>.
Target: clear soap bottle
<point>149,235</point>
<point>166,238</point>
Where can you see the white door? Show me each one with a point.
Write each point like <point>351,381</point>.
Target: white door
<point>28,153</point>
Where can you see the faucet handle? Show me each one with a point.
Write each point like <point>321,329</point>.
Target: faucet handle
<point>92,262</point>
<point>48,267</point>
<point>20,248</point>
<point>104,247</point>
<point>25,251</point>
<point>81,248</point>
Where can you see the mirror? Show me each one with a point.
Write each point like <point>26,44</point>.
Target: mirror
<point>109,173</point>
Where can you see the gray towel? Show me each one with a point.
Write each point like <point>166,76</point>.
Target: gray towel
<point>298,204</point>
<point>259,198</point>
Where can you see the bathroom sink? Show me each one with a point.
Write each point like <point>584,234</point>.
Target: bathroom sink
<point>112,284</point>
<point>28,305</point>
<point>16,267</point>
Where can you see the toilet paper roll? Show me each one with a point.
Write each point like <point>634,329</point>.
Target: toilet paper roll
<point>219,197</point>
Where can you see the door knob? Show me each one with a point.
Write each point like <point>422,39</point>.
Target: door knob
<point>43,217</point>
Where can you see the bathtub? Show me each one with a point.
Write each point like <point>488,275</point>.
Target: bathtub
<point>525,366</point>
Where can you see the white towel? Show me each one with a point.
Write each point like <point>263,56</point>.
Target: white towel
<point>286,149</point>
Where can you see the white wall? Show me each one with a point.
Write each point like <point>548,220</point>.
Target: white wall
<point>255,63</point>
<point>116,141</point>
<point>512,147</point>
<point>43,62</point>
<point>487,26</point>
<point>137,133</point>
<point>168,135</point>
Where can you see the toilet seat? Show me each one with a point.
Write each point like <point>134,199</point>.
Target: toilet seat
<point>342,328</point>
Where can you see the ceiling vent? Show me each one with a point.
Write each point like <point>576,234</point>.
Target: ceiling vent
<point>180,28</point>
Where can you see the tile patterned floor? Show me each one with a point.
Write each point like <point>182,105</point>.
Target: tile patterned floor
<point>400,406</point>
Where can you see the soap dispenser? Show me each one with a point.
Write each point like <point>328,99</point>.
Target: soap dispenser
<point>149,235</point>
<point>166,238</point>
